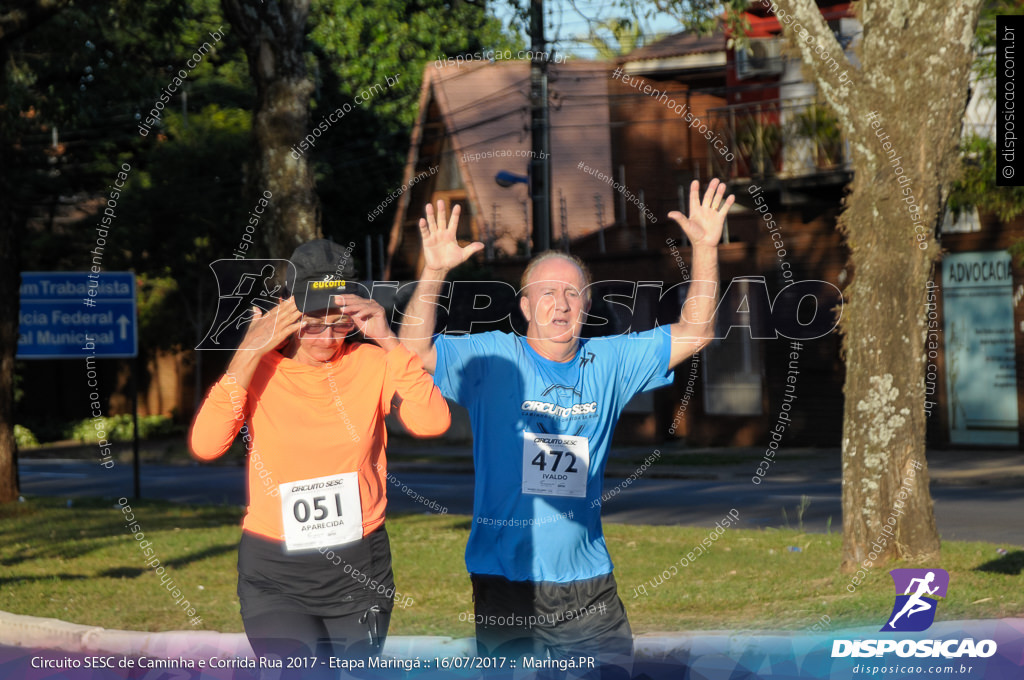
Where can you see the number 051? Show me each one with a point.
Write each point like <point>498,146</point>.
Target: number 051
<point>302,511</point>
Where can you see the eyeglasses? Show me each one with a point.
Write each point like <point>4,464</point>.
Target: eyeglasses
<point>316,328</point>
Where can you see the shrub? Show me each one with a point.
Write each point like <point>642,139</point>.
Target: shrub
<point>24,438</point>
<point>119,428</point>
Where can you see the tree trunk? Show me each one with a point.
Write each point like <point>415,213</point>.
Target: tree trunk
<point>13,213</point>
<point>884,422</point>
<point>10,301</point>
<point>273,34</point>
<point>895,131</point>
<point>10,282</point>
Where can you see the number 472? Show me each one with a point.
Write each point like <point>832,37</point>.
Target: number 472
<point>540,461</point>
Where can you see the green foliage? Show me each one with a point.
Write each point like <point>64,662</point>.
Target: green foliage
<point>119,428</point>
<point>68,68</point>
<point>985,36</point>
<point>819,124</point>
<point>358,45</point>
<point>156,309</point>
<point>43,428</point>
<point>18,391</point>
<point>189,196</point>
<point>92,76</point>
<point>96,69</point>
<point>24,438</point>
<point>613,38</point>
<point>1016,251</point>
<point>977,185</point>
<point>759,141</point>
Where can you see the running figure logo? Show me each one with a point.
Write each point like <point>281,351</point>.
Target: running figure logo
<point>914,610</point>
<point>242,285</point>
<point>562,391</point>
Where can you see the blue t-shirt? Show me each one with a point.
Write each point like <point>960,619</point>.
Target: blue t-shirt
<point>541,435</point>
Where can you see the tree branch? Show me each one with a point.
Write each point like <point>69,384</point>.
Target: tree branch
<point>838,81</point>
<point>17,22</point>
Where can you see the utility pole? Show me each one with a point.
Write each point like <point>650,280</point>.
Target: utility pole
<point>643,221</point>
<point>563,214</point>
<point>492,232</point>
<point>540,163</point>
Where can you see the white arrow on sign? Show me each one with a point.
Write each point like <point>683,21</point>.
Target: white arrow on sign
<point>123,322</point>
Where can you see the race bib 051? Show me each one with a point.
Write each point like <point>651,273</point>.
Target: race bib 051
<point>321,512</point>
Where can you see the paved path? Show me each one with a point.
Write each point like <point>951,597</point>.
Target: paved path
<point>979,499</point>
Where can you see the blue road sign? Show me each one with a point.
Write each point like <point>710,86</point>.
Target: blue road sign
<point>68,315</point>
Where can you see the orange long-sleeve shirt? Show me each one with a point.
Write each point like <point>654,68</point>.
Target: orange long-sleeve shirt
<point>303,422</point>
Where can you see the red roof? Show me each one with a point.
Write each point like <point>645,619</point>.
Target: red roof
<point>678,45</point>
<point>485,109</point>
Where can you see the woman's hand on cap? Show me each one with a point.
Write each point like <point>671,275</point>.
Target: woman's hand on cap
<point>367,315</point>
<point>267,331</point>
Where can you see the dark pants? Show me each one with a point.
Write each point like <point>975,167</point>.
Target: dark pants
<point>286,634</point>
<point>581,621</point>
<point>336,603</point>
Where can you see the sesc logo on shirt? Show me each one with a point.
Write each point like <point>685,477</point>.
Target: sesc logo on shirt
<point>558,411</point>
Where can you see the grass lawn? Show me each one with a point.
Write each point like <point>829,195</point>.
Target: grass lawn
<point>80,564</point>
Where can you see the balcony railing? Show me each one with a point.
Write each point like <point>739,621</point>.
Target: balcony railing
<point>781,138</point>
<point>980,117</point>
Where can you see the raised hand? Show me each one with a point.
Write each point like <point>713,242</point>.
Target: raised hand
<point>441,249</point>
<point>704,224</point>
<point>267,331</point>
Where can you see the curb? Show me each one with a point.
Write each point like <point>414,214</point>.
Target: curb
<point>17,630</point>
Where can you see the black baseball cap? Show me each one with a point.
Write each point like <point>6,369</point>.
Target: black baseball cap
<point>323,269</point>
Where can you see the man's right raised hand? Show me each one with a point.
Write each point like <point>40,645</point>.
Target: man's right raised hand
<point>441,254</point>
<point>441,249</point>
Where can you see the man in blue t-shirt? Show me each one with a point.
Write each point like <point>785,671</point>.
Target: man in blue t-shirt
<point>543,409</point>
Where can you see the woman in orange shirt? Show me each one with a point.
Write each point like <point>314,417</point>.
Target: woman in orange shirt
<point>314,562</point>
